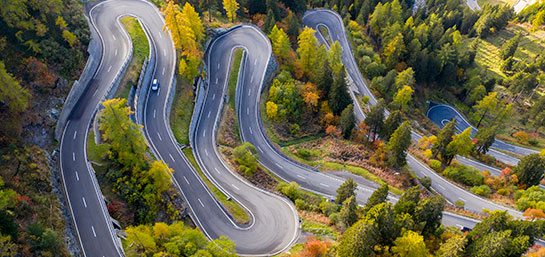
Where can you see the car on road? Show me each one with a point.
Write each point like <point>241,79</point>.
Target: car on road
<point>155,85</point>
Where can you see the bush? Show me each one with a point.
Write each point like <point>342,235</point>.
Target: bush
<point>300,204</point>
<point>426,182</point>
<point>436,165</point>
<point>246,158</point>
<point>459,204</point>
<point>304,153</point>
<point>463,174</point>
<point>328,208</point>
<point>533,141</point>
<point>334,218</point>
<point>481,190</point>
<point>294,129</point>
<point>427,153</point>
<point>291,190</point>
<point>522,137</point>
<point>365,99</point>
<point>503,191</point>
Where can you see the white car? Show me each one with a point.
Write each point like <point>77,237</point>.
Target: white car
<point>155,85</point>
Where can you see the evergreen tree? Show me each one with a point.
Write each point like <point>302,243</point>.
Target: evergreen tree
<point>11,93</point>
<point>269,22</point>
<point>461,144</point>
<point>429,214</point>
<point>375,119</point>
<point>398,145</point>
<point>379,196</point>
<point>347,121</point>
<point>408,201</point>
<point>293,25</point>
<point>273,6</point>
<point>339,98</point>
<point>325,78</point>
<point>510,47</point>
<point>444,138</point>
<point>348,214</point>
<point>390,125</point>
<point>485,138</point>
<point>530,170</point>
<point>346,190</point>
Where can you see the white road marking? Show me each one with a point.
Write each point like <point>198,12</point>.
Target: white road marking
<point>206,152</point>
<point>259,148</point>
<point>109,68</point>
<point>73,156</point>
<point>96,90</point>
<point>325,185</point>
<point>186,181</point>
<point>77,177</point>
<point>115,52</point>
<point>164,52</point>
<point>249,92</point>
<point>216,81</point>
<point>159,136</point>
<point>247,110</point>
<point>252,79</point>
<point>114,37</point>
<point>301,176</point>
<point>251,131</point>
<point>161,35</point>
<point>200,202</point>
<point>84,203</point>
<point>462,199</point>
<point>218,65</point>
<point>213,96</point>
<point>218,171</point>
<point>204,133</point>
<point>93,229</point>
<point>209,114</point>
<point>279,166</point>
<point>75,134</point>
<point>154,111</point>
<point>255,62</point>
<point>163,71</point>
<point>235,187</point>
<point>441,187</point>
<point>172,158</point>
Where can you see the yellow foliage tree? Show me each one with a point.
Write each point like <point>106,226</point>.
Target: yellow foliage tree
<point>272,110</point>
<point>231,7</point>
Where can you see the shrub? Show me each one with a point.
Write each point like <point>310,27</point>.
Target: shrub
<point>427,153</point>
<point>300,204</point>
<point>522,137</point>
<point>503,191</point>
<point>459,204</point>
<point>365,99</point>
<point>291,190</point>
<point>426,182</point>
<point>334,218</point>
<point>533,141</point>
<point>328,208</point>
<point>294,129</point>
<point>436,165</point>
<point>304,153</point>
<point>246,158</point>
<point>481,190</point>
<point>463,174</point>
<point>533,197</point>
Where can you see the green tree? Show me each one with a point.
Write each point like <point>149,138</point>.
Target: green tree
<point>405,78</point>
<point>246,158</point>
<point>429,214</point>
<point>231,7</point>
<point>453,247</point>
<point>347,121</point>
<point>411,244</point>
<point>358,240</point>
<point>334,55</point>
<point>348,214</point>
<point>391,124</point>
<point>293,25</point>
<point>509,48</point>
<point>379,196</point>
<point>346,190</point>
<point>269,21</point>
<point>273,6</point>
<point>488,104</point>
<point>402,98</point>
<point>7,247</point>
<point>307,50</point>
<point>530,170</point>
<point>280,42</point>
<point>339,98</point>
<point>161,175</point>
<point>538,20</point>
<point>485,138</point>
<point>461,144</point>
<point>408,201</point>
<point>398,145</point>
<point>11,93</point>
<point>325,78</point>
<point>375,119</point>
<point>444,138</point>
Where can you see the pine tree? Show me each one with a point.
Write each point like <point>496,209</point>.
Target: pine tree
<point>273,6</point>
<point>530,169</point>
<point>339,98</point>
<point>193,21</point>
<point>346,190</point>
<point>444,138</point>
<point>510,47</point>
<point>379,196</point>
<point>485,138</point>
<point>348,214</point>
<point>375,119</point>
<point>402,98</point>
<point>325,78</point>
<point>347,121</point>
<point>391,124</point>
<point>293,25</point>
<point>231,7</point>
<point>269,22</point>
<point>334,55</point>
<point>398,145</point>
<point>11,93</point>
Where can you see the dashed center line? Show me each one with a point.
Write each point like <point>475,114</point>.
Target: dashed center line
<point>218,171</point>
<point>159,136</point>
<point>204,133</point>
<point>441,187</point>
<point>163,71</point>
<point>218,65</point>
<point>206,152</point>
<point>300,176</point>
<point>213,96</point>
<point>279,166</point>
<point>77,176</point>
<point>84,203</point>
<point>73,156</point>
<point>200,202</point>
<point>251,131</point>
<point>259,148</point>
<point>252,79</point>
<point>115,52</point>
<point>114,37</point>
<point>172,158</point>
<point>93,229</point>
<point>110,68</point>
<point>209,112</point>
<point>96,90</point>
<point>75,134</point>
<point>325,185</point>
<point>186,181</point>
<point>154,111</point>
<point>249,92</point>
<point>247,110</point>
<point>216,80</point>
<point>255,62</point>
<point>164,52</point>
<point>462,199</point>
<point>235,187</point>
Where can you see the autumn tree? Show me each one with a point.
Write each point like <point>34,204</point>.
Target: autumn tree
<point>538,20</point>
<point>231,7</point>
<point>530,170</point>
<point>334,55</point>
<point>402,98</point>
<point>307,50</point>
<point>272,110</point>
<point>444,138</point>
<point>398,145</point>
<point>453,247</point>
<point>346,190</point>
<point>485,106</point>
<point>161,175</point>
<point>485,137</point>
<point>280,42</point>
<point>411,244</point>
<point>461,144</point>
<point>246,158</point>
<point>11,93</point>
